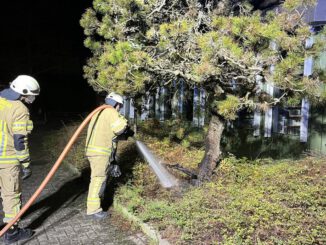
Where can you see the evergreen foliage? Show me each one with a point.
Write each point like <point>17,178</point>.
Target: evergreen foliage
<point>138,44</point>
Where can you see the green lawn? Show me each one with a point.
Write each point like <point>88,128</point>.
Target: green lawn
<point>247,203</point>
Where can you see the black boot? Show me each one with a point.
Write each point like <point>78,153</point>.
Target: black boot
<point>15,234</point>
<point>99,216</point>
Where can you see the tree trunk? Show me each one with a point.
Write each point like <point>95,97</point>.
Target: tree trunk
<point>212,149</point>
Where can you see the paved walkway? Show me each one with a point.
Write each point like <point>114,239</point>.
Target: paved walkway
<point>58,216</point>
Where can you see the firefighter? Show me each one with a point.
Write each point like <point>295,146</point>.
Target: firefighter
<point>15,126</point>
<point>104,131</point>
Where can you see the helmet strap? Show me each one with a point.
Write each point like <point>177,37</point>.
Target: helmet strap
<point>29,99</point>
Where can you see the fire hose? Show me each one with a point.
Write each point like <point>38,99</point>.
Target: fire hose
<point>53,170</point>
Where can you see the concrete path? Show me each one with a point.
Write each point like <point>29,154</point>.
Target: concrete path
<point>59,214</point>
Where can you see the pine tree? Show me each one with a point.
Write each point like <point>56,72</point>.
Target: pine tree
<point>139,44</point>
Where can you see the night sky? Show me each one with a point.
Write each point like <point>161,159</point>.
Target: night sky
<point>44,39</point>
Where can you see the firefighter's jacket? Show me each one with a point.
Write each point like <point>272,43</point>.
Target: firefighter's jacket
<point>15,125</point>
<point>103,128</point>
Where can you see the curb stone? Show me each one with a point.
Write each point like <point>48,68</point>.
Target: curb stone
<point>149,231</point>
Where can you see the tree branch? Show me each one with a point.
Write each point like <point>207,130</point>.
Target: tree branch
<point>278,100</point>
<point>157,9</point>
<point>175,73</point>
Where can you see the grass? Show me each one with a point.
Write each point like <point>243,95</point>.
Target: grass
<point>268,203</point>
<point>55,141</point>
<point>248,202</point>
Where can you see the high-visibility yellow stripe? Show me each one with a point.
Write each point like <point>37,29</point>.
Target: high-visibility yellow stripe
<point>21,123</point>
<point>3,140</point>
<point>8,157</point>
<point>6,139</point>
<point>98,149</point>
<point>1,137</point>
<point>22,126</point>
<point>92,136</point>
<point>93,201</point>
<point>15,210</point>
<point>22,153</point>
<point>6,160</point>
<point>22,157</point>
<point>9,215</point>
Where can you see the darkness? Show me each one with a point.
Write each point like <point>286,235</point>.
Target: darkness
<point>44,39</point>
<point>263,4</point>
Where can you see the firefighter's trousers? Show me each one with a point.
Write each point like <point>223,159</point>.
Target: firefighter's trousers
<point>99,166</point>
<point>10,185</point>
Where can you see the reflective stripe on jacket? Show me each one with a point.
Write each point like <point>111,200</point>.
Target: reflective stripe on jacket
<point>104,126</point>
<point>15,125</point>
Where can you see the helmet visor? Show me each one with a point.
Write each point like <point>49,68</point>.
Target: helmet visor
<point>36,91</point>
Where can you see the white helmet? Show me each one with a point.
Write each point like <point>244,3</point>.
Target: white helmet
<point>25,85</point>
<point>114,98</point>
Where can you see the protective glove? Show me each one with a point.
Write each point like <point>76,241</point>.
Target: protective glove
<point>26,172</point>
<point>129,132</point>
<point>114,170</point>
<point>126,134</point>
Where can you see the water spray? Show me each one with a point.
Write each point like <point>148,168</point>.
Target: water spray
<point>166,179</point>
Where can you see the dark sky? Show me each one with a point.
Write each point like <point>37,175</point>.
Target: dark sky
<point>44,39</point>
<point>262,4</point>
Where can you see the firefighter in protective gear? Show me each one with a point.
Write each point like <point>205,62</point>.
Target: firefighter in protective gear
<point>101,145</point>
<point>15,126</point>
